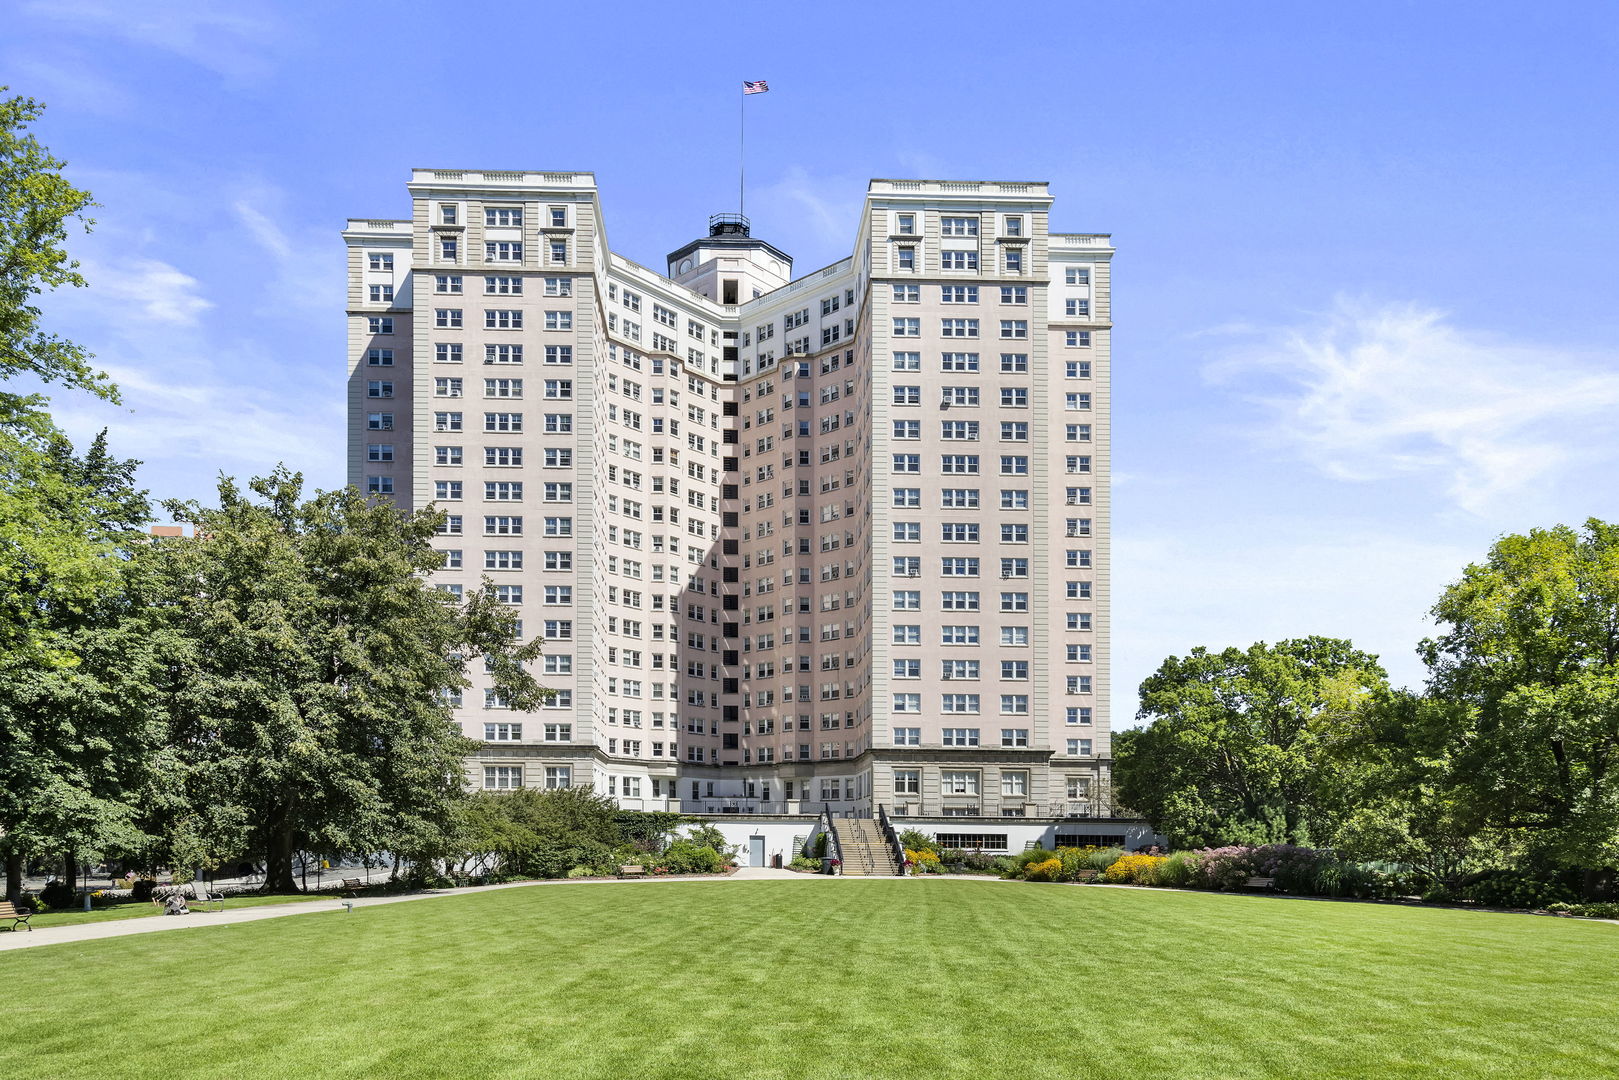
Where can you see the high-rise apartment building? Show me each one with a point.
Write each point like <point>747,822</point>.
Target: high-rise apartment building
<point>836,540</point>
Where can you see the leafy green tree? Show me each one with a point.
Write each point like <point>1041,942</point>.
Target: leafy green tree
<point>1235,747</point>
<point>1527,678</point>
<point>1402,798</point>
<point>535,832</point>
<point>73,744</point>
<point>36,205</point>
<point>308,675</point>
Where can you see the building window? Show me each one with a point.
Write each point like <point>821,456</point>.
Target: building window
<point>502,777</point>
<point>907,781</point>
<point>958,782</point>
<point>907,736</point>
<point>379,421</point>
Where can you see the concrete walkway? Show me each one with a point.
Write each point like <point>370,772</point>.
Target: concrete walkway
<point>95,931</point>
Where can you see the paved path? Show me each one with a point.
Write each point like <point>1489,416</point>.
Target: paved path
<point>58,935</point>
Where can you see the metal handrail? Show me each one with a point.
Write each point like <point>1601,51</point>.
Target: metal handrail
<point>833,848</point>
<point>893,838</point>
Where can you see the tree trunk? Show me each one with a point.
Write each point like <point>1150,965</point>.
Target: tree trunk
<point>14,866</point>
<point>70,869</point>
<point>278,863</point>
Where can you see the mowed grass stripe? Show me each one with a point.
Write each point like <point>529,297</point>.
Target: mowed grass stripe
<point>766,980</point>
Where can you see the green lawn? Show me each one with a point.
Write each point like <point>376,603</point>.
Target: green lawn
<point>146,910</point>
<point>851,978</point>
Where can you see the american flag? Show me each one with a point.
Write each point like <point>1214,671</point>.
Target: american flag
<point>759,87</point>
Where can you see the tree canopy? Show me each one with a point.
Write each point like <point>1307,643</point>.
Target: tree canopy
<point>1528,672</point>
<point>309,667</point>
<point>37,204</point>
<point>71,745</point>
<point>1237,746</point>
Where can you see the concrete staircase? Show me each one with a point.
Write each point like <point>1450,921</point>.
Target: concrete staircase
<point>865,850</point>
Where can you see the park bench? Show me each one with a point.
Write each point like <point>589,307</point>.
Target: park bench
<point>1260,883</point>
<point>18,917</point>
<point>353,885</point>
<point>203,897</point>
<point>632,871</point>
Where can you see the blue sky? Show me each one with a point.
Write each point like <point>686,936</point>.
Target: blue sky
<point>1365,296</point>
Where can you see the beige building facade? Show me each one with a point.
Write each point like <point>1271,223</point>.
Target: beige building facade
<point>832,541</point>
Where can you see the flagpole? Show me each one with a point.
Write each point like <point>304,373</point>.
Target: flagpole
<point>742,155</point>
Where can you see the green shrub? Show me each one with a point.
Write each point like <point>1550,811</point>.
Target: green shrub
<point>1516,889</point>
<point>955,861</point>
<point>57,894</point>
<point>913,840</point>
<point>1032,856</point>
<point>142,888</point>
<point>689,857</point>
<point>708,836</point>
<point>800,862</point>
<point>1074,861</point>
<point>1602,910</point>
<point>1102,858</point>
<point>1176,871</point>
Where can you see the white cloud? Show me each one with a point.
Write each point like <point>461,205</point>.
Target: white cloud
<point>69,81</point>
<point>146,288</point>
<point>308,265</point>
<point>222,37</point>
<point>263,229</point>
<point>1370,392</point>
<point>830,206</point>
<point>199,425</point>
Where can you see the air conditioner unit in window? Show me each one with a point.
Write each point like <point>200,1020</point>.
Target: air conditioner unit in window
<point>1073,502</point>
<point>1073,532</point>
